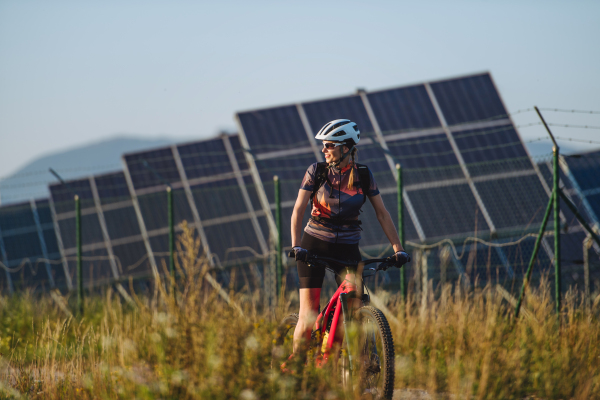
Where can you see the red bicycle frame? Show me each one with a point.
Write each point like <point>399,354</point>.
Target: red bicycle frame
<point>339,302</point>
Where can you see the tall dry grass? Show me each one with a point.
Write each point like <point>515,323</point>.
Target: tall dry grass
<point>195,345</point>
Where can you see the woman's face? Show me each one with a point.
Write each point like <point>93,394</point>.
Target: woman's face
<point>333,155</point>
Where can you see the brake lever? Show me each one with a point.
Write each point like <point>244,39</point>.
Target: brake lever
<point>384,266</point>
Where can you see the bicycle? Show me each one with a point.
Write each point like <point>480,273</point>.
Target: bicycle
<point>371,358</point>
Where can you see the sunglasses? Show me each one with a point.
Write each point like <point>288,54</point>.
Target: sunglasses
<point>330,146</point>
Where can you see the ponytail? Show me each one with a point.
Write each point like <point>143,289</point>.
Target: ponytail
<point>352,171</point>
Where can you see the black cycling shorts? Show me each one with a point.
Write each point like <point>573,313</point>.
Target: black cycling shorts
<point>312,277</point>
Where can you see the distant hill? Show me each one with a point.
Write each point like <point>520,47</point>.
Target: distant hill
<point>32,180</point>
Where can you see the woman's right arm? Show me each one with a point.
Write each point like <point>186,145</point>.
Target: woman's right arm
<point>298,214</point>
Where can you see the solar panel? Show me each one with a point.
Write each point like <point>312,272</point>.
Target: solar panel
<point>112,188</point>
<point>403,109</point>
<point>92,241</point>
<point>448,211</point>
<point>467,99</point>
<point>203,159</point>
<point>122,223</point>
<point>568,188</point>
<point>28,246</point>
<point>509,208</point>
<point>219,199</point>
<point>583,171</point>
<point>274,129</point>
<point>492,150</point>
<point>152,168</point>
<point>209,188</point>
<point>426,159</point>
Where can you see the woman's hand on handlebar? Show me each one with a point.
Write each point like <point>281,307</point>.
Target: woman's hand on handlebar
<point>400,258</point>
<point>300,254</point>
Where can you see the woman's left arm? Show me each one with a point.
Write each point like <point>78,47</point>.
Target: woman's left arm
<point>384,218</point>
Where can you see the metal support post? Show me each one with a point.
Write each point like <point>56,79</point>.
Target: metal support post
<point>587,244</point>
<point>536,248</point>
<point>79,264</point>
<point>557,272</point>
<point>555,193</point>
<point>401,228</point>
<point>279,261</point>
<point>585,225</point>
<point>171,239</point>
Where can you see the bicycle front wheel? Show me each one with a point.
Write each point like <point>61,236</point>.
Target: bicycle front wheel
<point>375,354</point>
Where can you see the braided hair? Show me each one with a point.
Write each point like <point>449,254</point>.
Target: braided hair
<point>353,170</point>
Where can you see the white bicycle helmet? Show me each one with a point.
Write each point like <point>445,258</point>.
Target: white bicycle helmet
<point>340,130</point>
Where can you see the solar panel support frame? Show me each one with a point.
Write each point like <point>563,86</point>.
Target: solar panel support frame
<point>138,213</point>
<point>547,248</point>
<point>460,159</point>
<point>505,262</point>
<point>190,198</point>
<point>9,283</point>
<point>391,163</point>
<point>103,228</point>
<point>309,133</point>
<point>38,225</point>
<point>107,241</point>
<point>59,242</point>
<point>240,181</point>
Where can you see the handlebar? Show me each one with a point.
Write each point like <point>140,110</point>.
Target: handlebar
<point>314,259</point>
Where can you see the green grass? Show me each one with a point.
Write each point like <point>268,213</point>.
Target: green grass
<point>198,347</point>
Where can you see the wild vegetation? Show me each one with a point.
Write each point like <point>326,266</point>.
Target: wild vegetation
<point>194,345</point>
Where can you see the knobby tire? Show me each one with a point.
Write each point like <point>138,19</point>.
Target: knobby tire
<point>373,329</point>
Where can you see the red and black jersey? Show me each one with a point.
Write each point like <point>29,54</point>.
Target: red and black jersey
<point>334,200</point>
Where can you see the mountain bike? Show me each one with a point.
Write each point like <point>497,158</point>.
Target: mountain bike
<point>365,351</point>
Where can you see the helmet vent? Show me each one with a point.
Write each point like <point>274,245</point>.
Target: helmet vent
<point>334,127</point>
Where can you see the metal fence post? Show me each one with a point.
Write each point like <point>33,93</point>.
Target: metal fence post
<point>536,248</point>
<point>401,228</point>
<point>557,269</point>
<point>171,239</point>
<point>79,264</point>
<point>556,193</point>
<point>279,261</point>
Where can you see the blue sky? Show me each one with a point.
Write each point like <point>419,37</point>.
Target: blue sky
<point>75,72</point>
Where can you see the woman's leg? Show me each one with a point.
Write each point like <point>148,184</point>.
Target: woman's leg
<point>311,281</point>
<point>309,309</point>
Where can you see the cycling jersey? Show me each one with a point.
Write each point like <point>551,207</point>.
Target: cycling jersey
<point>337,202</point>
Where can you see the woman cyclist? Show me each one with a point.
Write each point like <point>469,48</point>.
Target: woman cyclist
<point>333,229</point>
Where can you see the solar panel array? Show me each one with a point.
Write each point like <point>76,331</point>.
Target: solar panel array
<point>465,169</point>
<point>111,242</point>
<point>28,247</point>
<point>461,155</point>
<point>212,191</point>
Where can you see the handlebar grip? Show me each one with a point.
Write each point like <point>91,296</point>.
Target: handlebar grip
<point>292,254</point>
